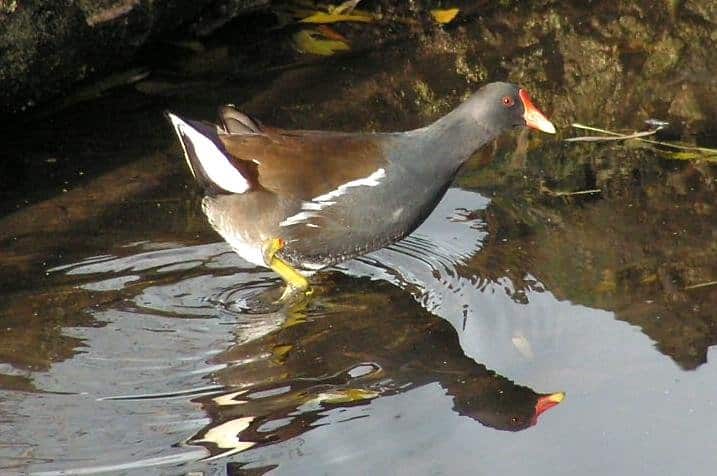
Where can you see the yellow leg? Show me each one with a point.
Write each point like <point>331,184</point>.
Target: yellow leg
<point>296,283</point>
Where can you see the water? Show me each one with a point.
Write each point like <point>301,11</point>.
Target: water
<point>132,339</point>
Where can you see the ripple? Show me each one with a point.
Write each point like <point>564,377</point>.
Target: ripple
<point>427,262</point>
<point>252,297</point>
<point>184,456</point>
<point>181,281</point>
<point>191,392</point>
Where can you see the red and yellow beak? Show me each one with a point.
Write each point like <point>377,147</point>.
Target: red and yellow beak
<point>546,402</point>
<point>533,117</point>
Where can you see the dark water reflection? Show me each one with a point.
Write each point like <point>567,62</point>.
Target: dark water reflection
<point>133,342</point>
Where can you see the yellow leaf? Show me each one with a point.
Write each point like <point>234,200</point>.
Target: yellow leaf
<point>330,33</point>
<point>444,16</point>
<point>321,17</point>
<point>346,7</point>
<point>313,42</point>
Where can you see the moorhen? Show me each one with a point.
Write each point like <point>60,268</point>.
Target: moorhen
<point>298,201</point>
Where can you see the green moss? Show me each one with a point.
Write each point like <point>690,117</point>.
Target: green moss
<point>7,7</point>
<point>473,73</point>
<point>429,105</point>
<point>706,9</point>
<point>665,55</point>
<point>686,105</point>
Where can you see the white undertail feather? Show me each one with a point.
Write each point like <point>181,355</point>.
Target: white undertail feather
<point>234,234</point>
<point>214,162</point>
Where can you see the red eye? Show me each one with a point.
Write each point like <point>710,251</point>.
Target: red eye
<point>508,101</point>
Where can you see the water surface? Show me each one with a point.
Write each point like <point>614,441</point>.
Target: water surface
<point>132,339</point>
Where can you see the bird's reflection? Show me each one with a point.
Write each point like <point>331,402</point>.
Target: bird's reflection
<point>331,356</point>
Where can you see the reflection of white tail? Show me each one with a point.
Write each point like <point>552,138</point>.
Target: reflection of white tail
<point>206,156</point>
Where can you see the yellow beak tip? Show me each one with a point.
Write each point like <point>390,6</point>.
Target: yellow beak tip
<point>557,397</point>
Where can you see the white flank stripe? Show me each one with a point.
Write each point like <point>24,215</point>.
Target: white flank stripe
<point>370,181</point>
<point>298,218</point>
<point>322,201</point>
<point>314,206</point>
<point>312,266</point>
<point>214,163</point>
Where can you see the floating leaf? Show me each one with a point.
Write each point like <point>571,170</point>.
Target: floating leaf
<point>444,16</point>
<point>305,12</point>
<point>315,43</point>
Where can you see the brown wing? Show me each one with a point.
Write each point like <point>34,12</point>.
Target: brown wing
<point>306,164</point>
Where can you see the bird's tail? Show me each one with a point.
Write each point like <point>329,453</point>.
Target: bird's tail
<point>207,157</point>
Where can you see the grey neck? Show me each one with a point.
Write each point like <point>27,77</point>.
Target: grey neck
<point>452,139</point>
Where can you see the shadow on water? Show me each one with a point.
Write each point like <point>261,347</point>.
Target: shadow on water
<point>127,343</point>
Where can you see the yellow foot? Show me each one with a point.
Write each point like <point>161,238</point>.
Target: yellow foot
<point>296,284</point>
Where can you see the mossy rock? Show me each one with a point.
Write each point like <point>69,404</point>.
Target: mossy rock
<point>46,47</point>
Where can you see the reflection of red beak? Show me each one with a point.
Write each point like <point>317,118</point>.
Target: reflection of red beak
<point>546,402</point>
<point>533,117</point>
